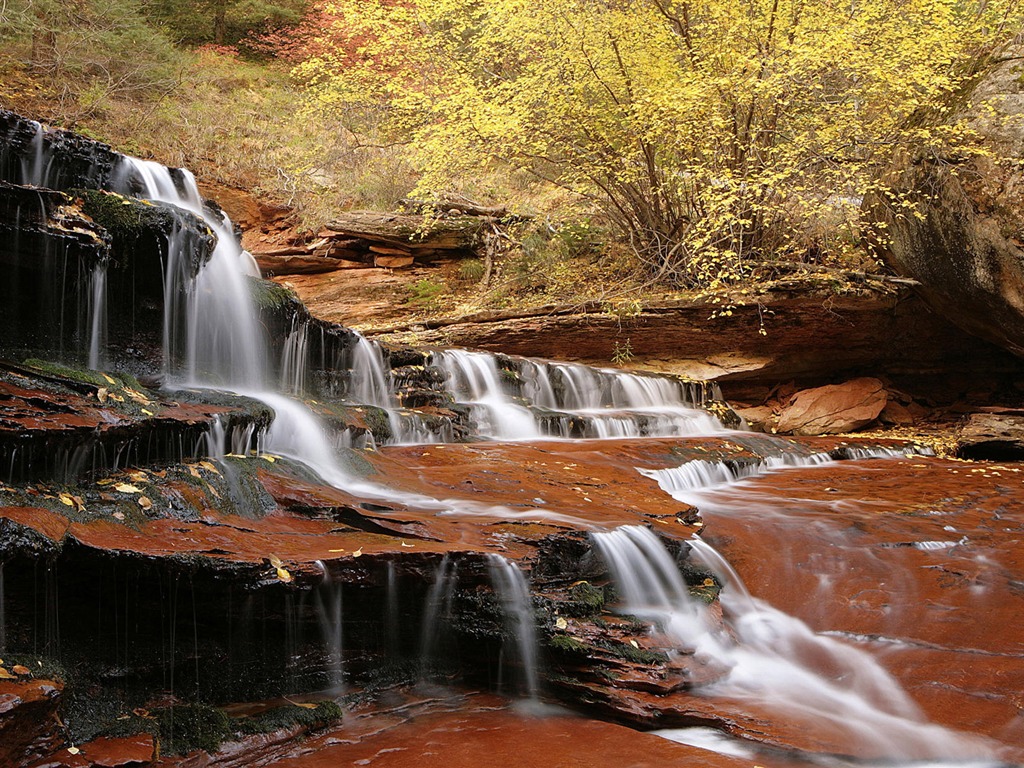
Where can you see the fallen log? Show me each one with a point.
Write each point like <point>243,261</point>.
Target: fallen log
<point>408,232</point>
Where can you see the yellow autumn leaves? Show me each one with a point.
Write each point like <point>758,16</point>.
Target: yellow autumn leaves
<point>710,133</point>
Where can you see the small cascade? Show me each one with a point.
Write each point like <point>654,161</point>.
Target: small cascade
<point>330,617</point>
<point>775,661</point>
<point>223,340</point>
<point>514,592</point>
<point>701,474</point>
<point>391,610</point>
<point>562,400</point>
<point>704,475</point>
<point>98,316</point>
<point>474,378</point>
<point>370,384</point>
<point>294,358</point>
<point>436,608</point>
<point>33,164</point>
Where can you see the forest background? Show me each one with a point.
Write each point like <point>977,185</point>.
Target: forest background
<point>640,146</point>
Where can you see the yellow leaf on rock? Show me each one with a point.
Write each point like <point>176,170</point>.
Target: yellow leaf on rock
<point>561,623</point>
<point>5,675</point>
<point>101,394</point>
<point>145,503</point>
<point>209,466</point>
<point>709,582</point>
<point>109,379</point>
<point>67,500</point>
<point>634,643</point>
<point>275,561</point>
<point>73,750</point>
<point>127,488</point>
<point>358,552</point>
<point>283,575</point>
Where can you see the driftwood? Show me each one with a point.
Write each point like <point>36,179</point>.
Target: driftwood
<point>411,233</point>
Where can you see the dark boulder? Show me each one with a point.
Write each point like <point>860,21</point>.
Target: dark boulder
<point>964,240</point>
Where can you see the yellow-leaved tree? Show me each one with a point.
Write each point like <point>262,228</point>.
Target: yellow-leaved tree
<point>711,133</point>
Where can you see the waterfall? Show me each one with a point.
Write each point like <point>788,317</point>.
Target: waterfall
<point>329,614</point>
<point>97,316</point>
<point>562,400</point>
<point>704,475</point>
<point>224,342</point>
<point>436,607</point>
<point>294,358</point>
<point>474,378</point>
<point>775,661</point>
<point>514,592</point>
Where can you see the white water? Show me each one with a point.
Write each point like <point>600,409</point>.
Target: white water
<point>684,481</point>
<point>224,344</point>
<point>775,661</point>
<point>562,400</point>
<point>514,592</point>
<point>97,316</point>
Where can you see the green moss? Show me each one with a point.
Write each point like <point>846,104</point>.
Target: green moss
<point>122,216</point>
<point>325,713</point>
<point>635,655</point>
<point>379,424</point>
<point>269,295</point>
<point>188,727</point>
<point>85,376</point>
<point>567,644</point>
<point>588,595</point>
<point>43,668</point>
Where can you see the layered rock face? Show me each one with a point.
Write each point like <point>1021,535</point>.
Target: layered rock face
<point>964,242</point>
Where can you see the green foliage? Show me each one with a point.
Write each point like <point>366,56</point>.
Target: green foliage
<point>90,52</point>
<point>471,270</point>
<point>622,353</point>
<point>424,293</point>
<point>223,22</point>
<point>710,136</point>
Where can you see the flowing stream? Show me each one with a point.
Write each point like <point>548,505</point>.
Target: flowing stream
<point>213,339</point>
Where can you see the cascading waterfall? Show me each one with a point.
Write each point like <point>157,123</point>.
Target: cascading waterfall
<point>436,607</point>
<point>329,611</point>
<point>774,660</point>
<point>563,400</point>
<point>704,475</point>
<point>294,358</point>
<point>97,316</point>
<point>514,592</point>
<point>224,344</point>
<point>370,384</point>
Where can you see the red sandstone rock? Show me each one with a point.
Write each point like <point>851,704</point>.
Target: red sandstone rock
<point>28,720</point>
<point>835,408</point>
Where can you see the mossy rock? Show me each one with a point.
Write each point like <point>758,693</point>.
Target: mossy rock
<point>323,714</point>
<point>270,296</point>
<point>188,727</point>
<point>568,645</point>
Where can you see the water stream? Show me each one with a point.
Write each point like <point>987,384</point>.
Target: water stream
<point>774,661</point>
